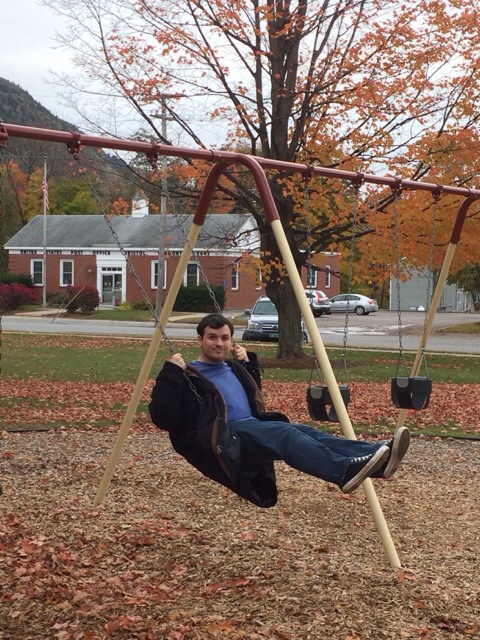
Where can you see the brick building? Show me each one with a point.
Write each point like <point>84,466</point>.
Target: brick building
<point>83,250</point>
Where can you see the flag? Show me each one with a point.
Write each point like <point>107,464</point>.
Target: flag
<point>45,194</point>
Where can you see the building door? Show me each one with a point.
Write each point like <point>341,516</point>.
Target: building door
<point>111,288</point>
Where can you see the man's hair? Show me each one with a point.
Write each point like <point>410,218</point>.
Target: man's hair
<point>214,321</point>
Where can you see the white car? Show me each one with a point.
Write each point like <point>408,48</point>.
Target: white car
<point>348,302</point>
<point>318,302</point>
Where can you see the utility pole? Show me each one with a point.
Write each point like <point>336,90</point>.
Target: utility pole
<point>163,213</point>
<point>45,207</point>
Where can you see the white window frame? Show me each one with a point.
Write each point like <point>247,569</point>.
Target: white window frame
<point>258,280</point>
<point>33,272</point>
<point>187,276</point>
<point>235,277</point>
<point>311,278</point>
<point>154,274</point>
<point>328,276</point>
<point>62,273</point>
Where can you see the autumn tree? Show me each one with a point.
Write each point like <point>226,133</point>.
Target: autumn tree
<point>75,197</point>
<point>23,196</point>
<point>338,83</point>
<point>468,278</point>
<point>418,230</point>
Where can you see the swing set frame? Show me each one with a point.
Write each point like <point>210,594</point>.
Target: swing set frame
<point>221,160</point>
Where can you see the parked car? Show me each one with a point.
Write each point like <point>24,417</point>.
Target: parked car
<point>348,302</point>
<point>263,322</point>
<point>318,302</point>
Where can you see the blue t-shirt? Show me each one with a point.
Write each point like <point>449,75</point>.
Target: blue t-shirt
<point>229,386</point>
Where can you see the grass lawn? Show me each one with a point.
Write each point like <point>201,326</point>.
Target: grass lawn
<point>112,359</point>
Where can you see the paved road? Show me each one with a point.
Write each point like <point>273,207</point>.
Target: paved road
<point>378,330</point>
<point>381,330</point>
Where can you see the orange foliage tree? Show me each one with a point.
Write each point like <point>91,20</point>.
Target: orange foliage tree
<point>24,193</point>
<point>367,85</point>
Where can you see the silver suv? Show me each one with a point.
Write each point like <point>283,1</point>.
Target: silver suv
<point>318,302</point>
<point>263,322</point>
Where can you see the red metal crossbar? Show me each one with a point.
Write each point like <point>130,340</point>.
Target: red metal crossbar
<point>224,159</point>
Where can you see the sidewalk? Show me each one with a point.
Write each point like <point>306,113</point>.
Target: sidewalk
<point>42,313</point>
<point>187,318</point>
<point>232,314</point>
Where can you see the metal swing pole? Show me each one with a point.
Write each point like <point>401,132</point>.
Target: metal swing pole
<point>447,262</point>
<point>332,385</point>
<point>320,351</point>
<point>144,373</point>
<point>147,364</point>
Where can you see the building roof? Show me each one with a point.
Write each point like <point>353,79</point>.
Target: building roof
<point>222,232</point>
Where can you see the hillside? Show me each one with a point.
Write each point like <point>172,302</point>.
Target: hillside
<point>18,107</point>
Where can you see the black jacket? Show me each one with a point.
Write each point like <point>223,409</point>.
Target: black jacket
<point>192,410</point>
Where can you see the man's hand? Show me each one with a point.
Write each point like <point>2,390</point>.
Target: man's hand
<point>178,360</point>
<point>239,353</point>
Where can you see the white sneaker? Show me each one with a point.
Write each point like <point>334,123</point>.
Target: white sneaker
<point>398,446</point>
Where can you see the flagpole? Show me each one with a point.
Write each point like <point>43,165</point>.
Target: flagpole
<point>44,185</point>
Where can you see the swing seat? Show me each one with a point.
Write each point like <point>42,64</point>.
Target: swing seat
<point>411,393</point>
<point>320,404</point>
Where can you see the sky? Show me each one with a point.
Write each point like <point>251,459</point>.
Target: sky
<point>29,52</point>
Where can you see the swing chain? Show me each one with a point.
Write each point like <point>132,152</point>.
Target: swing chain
<point>397,194</point>
<point>436,198</point>
<point>306,180</point>
<point>211,293</point>
<point>136,278</point>
<point>2,217</point>
<point>131,269</point>
<point>308,229</point>
<point>357,185</point>
<point>437,194</point>
<point>152,158</point>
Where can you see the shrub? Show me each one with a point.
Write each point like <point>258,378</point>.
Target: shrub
<point>83,298</point>
<point>57,299</point>
<point>198,299</point>
<point>141,305</point>
<point>20,278</point>
<point>16,295</point>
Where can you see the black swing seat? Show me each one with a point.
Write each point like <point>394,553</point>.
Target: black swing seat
<point>320,404</point>
<point>411,393</point>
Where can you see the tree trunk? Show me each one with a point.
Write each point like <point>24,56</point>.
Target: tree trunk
<point>279,288</point>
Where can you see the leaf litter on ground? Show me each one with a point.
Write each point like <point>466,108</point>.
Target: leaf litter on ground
<point>169,554</point>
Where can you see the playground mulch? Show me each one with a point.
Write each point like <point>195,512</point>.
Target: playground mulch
<point>171,555</point>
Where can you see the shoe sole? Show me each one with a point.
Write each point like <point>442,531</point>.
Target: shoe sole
<point>372,465</point>
<point>401,443</point>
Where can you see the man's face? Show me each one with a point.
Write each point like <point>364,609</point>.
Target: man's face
<point>215,345</point>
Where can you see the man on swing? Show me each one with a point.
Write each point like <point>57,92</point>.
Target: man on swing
<point>215,415</point>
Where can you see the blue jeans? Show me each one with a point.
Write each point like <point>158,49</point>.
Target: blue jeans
<point>302,447</point>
